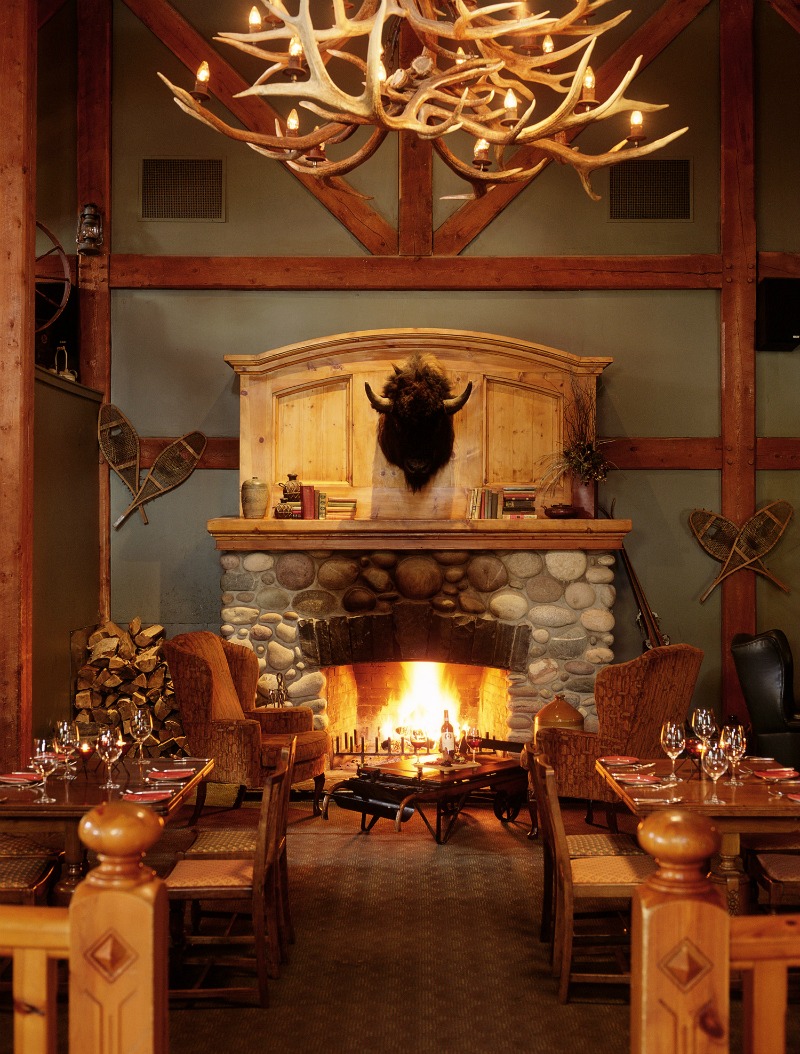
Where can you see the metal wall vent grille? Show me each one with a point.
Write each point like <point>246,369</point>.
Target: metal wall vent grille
<point>651,190</point>
<point>182,188</point>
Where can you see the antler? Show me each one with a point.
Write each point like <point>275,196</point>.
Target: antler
<point>470,56</point>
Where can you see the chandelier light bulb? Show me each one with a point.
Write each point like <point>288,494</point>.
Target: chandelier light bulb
<point>201,79</point>
<point>295,48</point>
<point>510,106</point>
<point>293,123</point>
<point>547,45</point>
<point>636,135</point>
<point>588,83</point>
<point>461,57</point>
<point>480,154</point>
<point>254,20</point>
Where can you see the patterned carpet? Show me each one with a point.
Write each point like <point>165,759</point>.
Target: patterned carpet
<point>407,947</point>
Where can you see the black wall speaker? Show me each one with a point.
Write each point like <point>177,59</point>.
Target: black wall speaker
<point>778,314</point>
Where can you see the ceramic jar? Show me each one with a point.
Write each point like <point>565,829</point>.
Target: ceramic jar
<point>255,495</point>
<point>557,714</point>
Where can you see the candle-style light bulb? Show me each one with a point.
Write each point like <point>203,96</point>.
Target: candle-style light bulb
<point>296,66</point>
<point>510,106</point>
<point>548,47</point>
<point>254,20</point>
<point>588,82</point>
<point>637,127</point>
<point>480,154</point>
<point>461,56</point>
<point>293,123</point>
<point>201,79</point>
<point>295,48</point>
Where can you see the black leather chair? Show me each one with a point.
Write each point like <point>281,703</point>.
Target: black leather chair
<point>766,673</point>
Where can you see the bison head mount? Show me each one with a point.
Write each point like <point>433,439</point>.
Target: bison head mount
<point>415,431</point>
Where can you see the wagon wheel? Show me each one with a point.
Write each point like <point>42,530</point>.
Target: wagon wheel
<point>506,806</point>
<point>53,282</point>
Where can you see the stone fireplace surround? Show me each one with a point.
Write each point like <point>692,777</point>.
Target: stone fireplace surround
<point>527,602</point>
<point>543,618</point>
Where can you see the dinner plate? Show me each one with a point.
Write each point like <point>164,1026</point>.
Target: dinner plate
<point>619,759</point>
<point>793,797</point>
<point>639,778</point>
<point>757,761</point>
<point>169,774</point>
<point>777,774</point>
<point>146,796</point>
<point>20,777</point>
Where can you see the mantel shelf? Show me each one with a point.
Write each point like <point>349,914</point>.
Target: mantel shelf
<point>236,533</point>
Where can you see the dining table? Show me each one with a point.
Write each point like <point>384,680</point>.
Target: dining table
<point>160,784</point>
<point>767,802</point>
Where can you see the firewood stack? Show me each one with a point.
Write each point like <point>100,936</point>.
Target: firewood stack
<point>125,669</point>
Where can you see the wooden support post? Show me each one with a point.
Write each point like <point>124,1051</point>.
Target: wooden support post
<point>680,943</point>
<point>118,938</point>
<point>17,233</point>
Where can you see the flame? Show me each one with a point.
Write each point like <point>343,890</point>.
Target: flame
<point>423,702</point>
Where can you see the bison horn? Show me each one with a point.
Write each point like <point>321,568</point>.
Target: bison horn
<point>457,403</point>
<point>382,405</point>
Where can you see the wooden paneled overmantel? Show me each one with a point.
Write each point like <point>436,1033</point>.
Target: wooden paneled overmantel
<point>237,534</point>
<point>304,410</point>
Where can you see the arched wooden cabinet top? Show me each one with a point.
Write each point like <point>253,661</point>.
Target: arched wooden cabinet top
<point>304,410</point>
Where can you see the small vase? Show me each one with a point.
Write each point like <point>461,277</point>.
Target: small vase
<point>291,489</point>
<point>255,495</point>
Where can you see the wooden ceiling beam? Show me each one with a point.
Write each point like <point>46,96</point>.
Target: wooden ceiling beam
<point>464,225</point>
<point>365,224</point>
<point>790,11</point>
<point>701,271</point>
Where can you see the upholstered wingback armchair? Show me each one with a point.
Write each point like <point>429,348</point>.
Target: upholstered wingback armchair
<point>765,668</point>
<point>215,689</point>
<point>633,700</point>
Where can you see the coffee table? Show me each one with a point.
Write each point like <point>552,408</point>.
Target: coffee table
<point>400,788</point>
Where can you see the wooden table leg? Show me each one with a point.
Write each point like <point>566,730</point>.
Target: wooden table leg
<point>73,868</point>
<point>728,872</point>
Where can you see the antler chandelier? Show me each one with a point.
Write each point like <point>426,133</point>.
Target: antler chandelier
<point>486,72</point>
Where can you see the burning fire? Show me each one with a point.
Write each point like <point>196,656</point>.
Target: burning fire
<point>421,706</point>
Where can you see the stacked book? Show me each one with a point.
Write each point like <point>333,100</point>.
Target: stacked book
<point>518,502</point>
<point>507,503</point>
<point>315,504</point>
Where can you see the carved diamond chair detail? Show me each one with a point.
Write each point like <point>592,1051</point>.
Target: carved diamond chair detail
<point>215,688</point>
<point>633,699</point>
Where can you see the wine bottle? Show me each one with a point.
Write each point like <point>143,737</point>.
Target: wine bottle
<point>447,743</point>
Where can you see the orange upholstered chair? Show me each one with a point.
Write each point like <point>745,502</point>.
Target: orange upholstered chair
<point>633,700</point>
<point>215,688</point>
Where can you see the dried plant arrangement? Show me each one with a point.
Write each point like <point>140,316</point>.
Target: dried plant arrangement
<point>580,456</point>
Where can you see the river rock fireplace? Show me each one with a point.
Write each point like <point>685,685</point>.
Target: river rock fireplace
<point>517,610</point>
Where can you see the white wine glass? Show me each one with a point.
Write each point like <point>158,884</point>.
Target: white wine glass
<point>141,727</point>
<point>109,749</point>
<point>715,764</point>
<point>704,724</point>
<point>673,743</point>
<point>44,761</point>
<point>67,740</point>
<point>733,741</point>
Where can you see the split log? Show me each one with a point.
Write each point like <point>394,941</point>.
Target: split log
<point>120,670</point>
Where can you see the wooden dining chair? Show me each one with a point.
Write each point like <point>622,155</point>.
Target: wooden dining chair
<point>28,868</point>
<point>610,878</point>
<point>778,874</point>
<point>229,883</point>
<point>579,847</point>
<point>228,842</point>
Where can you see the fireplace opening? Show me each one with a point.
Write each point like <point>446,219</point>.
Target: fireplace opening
<point>382,707</point>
